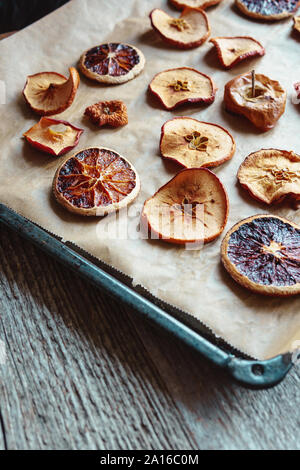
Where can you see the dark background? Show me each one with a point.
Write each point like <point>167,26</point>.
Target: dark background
<point>16,14</point>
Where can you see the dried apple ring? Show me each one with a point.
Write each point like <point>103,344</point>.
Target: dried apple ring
<point>175,87</point>
<point>232,50</point>
<point>268,10</point>
<point>262,253</point>
<point>297,23</point>
<point>96,181</point>
<point>191,208</point>
<point>190,30</point>
<point>53,136</point>
<point>181,4</point>
<point>195,144</point>
<point>271,175</point>
<point>49,93</point>
<point>112,63</point>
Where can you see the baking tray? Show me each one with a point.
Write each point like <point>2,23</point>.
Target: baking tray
<point>258,374</point>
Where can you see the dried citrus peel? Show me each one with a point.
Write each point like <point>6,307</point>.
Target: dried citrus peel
<point>53,136</point>
<point>232,50</point>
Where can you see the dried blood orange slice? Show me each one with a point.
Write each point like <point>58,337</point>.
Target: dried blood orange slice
<point>96,181</point>
<point>181,4</point>
<point>271,175</point>
<point>263,104</point>
<point>192,207</point>
<point>297,23</point>
<point>262,253</point>
<point>112,63</point>
<point>174,87</point>
<point>268,10</point>
<point>112,113</point>
<point>195,144</point>
<point>232,50</point>
<point>53,136</point>
<point>49,93</point>
<point>190,30</point>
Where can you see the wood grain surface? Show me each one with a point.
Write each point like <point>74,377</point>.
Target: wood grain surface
<point>83,372</point>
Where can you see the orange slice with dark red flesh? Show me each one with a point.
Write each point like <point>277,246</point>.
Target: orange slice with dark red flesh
<point>53,136</point>
<point>195,144</point>
<point>264,108</point>
<point>175,87</point>
<point>232,50</point>
<point>49,93</point>
<point>262,253</point>
<point>270,10</point>
<point>112,63</point>
<point>190,30</point>
<point>96,182</point>
<point>271,175</point>
<point>181,4</point>
<point>191,208</point>
<point>112,113</point>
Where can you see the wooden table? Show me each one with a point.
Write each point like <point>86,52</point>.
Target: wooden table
<point>83,372</point>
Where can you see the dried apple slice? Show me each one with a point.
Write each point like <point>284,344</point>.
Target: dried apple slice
<point>262,253</point>
<point>268,10</point>
<point>263,104</point>
<point>174,87</point>
<point>49,93</point>
<point>297,23</point>
<point>181,4</point>
<point>232,50</point>
<point>112,63</point>
<point>112,113</point>
<point>190,30</point>
<point>195,144</point>
<point>96,181</point>
<point>271,175</point>
<point>53,136</point>
<point>191,208</point>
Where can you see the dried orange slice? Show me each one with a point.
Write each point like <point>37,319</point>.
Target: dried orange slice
<point>232,50</point>
<point>263,107</point>
<point>190,30</point>
<point>192,207</point>
<point>49,93</point>
<point>112,63</point>
<point>271,175</point>
<point>96,181</point>
<point>268,10</point>
<point>53,136</point>
<point>112,113</point>
<point>175,87</point>
<point>181,4</point>
<point>297,23</point>
<point>195,144</point>
<point>262,253</point>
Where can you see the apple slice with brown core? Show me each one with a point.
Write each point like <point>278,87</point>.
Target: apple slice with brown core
<point>191,208</point>
<point>49,93</point>
<point>232,50</point>
<point>195,144</point>
<point>181,4</point>
<point>53,136</point>
<point>190,30</point>
<point>257,97</point>
<point>175,87</point>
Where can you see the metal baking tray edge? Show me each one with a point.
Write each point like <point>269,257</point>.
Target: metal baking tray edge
<point>252,373</point>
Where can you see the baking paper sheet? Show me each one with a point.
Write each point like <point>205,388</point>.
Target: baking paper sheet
<point>192,280</point>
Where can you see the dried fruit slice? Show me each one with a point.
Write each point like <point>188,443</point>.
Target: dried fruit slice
<point>112,63</point>
<point>271,175</point>
<point>112,113</point>
<point>297,23</point>
<point>181,4</point>
<point>263,107</point>
<point>297,89</point>
<point>49,93</point>
<point>174,87</point>
<point>96,181</point>
<point>53,136</point>
<point>268,10</point>
<point>262,253</point>
<point>191,207</point>
<point>231,50</point>
<point>195,144</point>
<point>190,30</point>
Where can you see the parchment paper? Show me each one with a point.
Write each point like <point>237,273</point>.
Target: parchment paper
<point>191,280</point>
